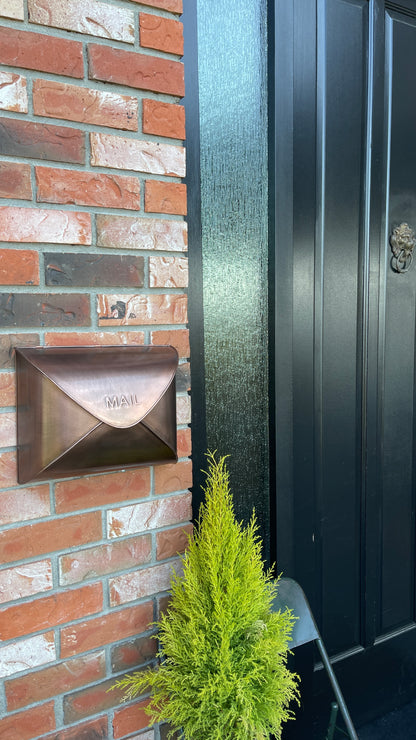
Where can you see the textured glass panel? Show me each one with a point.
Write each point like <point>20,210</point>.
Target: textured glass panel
<point>233,126</point>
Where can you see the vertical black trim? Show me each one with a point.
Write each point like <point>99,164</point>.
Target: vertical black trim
<point>195,292</point>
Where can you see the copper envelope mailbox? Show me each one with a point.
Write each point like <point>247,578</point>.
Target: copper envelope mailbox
<point>88,409</point>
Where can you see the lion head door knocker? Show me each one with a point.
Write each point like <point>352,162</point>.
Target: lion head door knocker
<point>402,242</point>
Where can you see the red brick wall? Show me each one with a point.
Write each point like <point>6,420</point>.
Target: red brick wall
<point>92,208</point>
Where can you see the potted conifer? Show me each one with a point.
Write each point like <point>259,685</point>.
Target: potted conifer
<point>223,654</point>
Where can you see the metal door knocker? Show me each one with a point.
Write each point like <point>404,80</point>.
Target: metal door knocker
<point>402,242</point>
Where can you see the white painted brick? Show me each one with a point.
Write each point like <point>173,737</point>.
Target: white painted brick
<point>140,583</point>
<point>148,515</point>
<point>25,580</point>
<point>118,152</point>
<point>12,9</point>
<point>24,654</point>
<point>13,92</point>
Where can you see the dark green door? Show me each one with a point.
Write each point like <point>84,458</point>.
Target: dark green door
<point>345,336</point>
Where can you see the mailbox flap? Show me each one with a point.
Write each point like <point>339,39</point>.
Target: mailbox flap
<point>118,385</point>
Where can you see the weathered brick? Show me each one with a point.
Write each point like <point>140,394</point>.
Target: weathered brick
<point>118,152</point>
<point>19,267</point>
<point>130,719</point>
<point>101,490</point>
<point>101,631</point>
<point>23,504</point>
<point>25,580</point>
<point>74,103</point>
<point>42,52</point>
<point>93,270</point>
<point>126,232</point>
<point>96,729</point>
<point>15,181</point>
<point>163,119</point>
<point>8,429</point>
<point>141,583</point>
<point>90,700</point>
<point>21,138</point>
<point>38,614</point>
<point>163,34</point>
<point>184,442</point>
<point>7,389</point>
<point>165,197</point>
<point>105,559</point>
<point>148,735</point>
<point>183,377</point>
<point>12,9</point>
<point>70,339</point>
<point>127,310</point>
<point>141,71</point>
<point>168,272</point>
<point>13,92</point>
<point>84,16</point>
<point>133,653</point>
<point>149,515</point>
<point>174,6</point>
<point>41,225</point>
<point>9,341</point>
<point>172,542</point>
<point>21,655</point>
<point>175,477</point>
<point>178,338</point>
<point>44,309</point>
<point>53,680</point>
<point>87,188</point>
<point>183,410</point>
<point>52,536</point>
<point>28,724</point>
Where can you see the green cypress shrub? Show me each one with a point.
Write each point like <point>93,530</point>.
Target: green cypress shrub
<point>223,654</point>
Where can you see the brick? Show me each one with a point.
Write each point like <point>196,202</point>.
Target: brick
<point>178,338</point>
<point>118,152</point>
<point>176,477</point>
<point>130,719</point>
<point>101,490</point>
<point>44,309</point>
<point>7,389</point>
<point>128,310</point>
<point>25,580</point>
<point>8,429</point>
<point>93,270</point>
<point>87,188</point>
<point>99,338</point>
<point>12,9</point>
<point>28,724</point>
<point>15,181</point>
<point>22,655</point>
<point>183,410</point>
<point>90,700</point>
<point>9,341</point>
<point>41,225</point>
<point>101,631</point>
<point>19,267</point>
<point>172,542</point>
<point>183,377</point>
<point>52,536</point>
<point>84,16</point>
<point>13,92</point>
<point>54,680</point>
<point>168,272</point>
<point>126,232</point>
<point>42,52</point>
<point>142,71</point>
<point>184,442</point>
<point>74,103</point>
<point>38,614</point>
<point>96,729</point>
<point>163,119</point>
<point>8,469</point>
<point>165,197</point>
<point>20,138</point>
<point>24,504</point>
<point>149,735</point>
<point>174,6</point>
<point>163,34</point>
<point>149,515</point>
<point>104,559</point>
<point>133,653</point>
